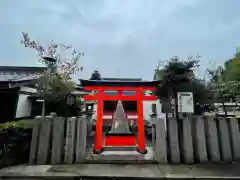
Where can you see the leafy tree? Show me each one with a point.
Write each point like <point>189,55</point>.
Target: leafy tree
<point>225,80</point>
<point>95,75</point>
<point>55,83</point>
<point>178,76</point>
<point>55,88</point>
<point>233,75</point>
<point>174,72</point>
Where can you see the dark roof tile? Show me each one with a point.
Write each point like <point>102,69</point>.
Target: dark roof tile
<point>16,73</point>
<point>122,79</point>
<point>119,83</point>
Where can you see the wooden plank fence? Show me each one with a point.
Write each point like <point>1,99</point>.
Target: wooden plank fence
<point>202,139</point>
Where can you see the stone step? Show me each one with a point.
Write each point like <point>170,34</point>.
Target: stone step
<point>122,148</point>
<point>121,157</point>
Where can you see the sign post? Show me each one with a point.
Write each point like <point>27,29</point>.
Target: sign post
<point>185,102</point>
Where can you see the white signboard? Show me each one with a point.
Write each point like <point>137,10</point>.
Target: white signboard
<point>185,102</point>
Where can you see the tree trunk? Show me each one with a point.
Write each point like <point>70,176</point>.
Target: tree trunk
<point>166,104</point>
<point>44,108</point>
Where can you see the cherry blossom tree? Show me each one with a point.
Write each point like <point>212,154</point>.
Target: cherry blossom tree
<point>61,61</point>
<point>67,57</point>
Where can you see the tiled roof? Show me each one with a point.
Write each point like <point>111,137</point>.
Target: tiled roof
<point>22,69</point>
<point>122,79</point>
<point>115,79</point>
<point>118,83</point>
<point>6,76</point>
<point>14,73</point>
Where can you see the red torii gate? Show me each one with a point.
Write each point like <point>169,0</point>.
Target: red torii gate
<point>138,86</point>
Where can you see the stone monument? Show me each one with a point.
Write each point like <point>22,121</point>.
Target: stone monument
<point>120,123</point>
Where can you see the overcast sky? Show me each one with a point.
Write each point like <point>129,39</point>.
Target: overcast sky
<point>122,38</point>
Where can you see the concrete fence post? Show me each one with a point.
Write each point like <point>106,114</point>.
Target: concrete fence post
<point>70,140</point>
<point>161,142</point>
<point>225,147</point>
<point>200,140</point>
<point>187,141</point>
<point>58,139</point>
<point>234,138</point>
<point>212,139</point>
<point>81,143</point>
<point>173,140</point>
<point>44,140</point>
<point>35,140</point>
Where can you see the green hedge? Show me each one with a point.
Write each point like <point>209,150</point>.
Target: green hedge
<point>23,124</point>
<point>15,140</point>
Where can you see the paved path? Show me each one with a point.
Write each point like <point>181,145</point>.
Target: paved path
<point>227,171</point>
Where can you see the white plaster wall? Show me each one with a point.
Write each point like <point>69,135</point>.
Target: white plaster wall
<point>147,109</point>
<point>24,106</point>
